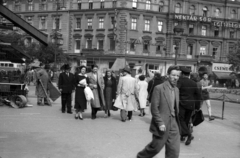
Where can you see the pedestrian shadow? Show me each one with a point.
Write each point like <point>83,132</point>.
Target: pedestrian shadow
<point>145,119</point>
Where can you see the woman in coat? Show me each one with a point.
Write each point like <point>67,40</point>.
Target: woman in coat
<point>143,93</point>
<point>110,91</point>
<point>80,99</point>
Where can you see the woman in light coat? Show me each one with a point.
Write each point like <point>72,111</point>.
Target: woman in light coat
<point>143,93</point>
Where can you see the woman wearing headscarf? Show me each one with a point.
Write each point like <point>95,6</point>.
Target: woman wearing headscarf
<point>80,99</point>
<point>110,91</point>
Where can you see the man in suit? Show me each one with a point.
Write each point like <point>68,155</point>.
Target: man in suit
<point>66,87</point>
<point>165,123</point>
<point>96,83</point>
<point>189,94</point>
<point>127,89</point>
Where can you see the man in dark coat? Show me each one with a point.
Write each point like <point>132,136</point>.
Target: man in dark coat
<point>157,79</point>
<point>189,94</point>
<point>165,123</point>
<point>66,87</point>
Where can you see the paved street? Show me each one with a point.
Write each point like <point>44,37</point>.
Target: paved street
<point>44,132</point>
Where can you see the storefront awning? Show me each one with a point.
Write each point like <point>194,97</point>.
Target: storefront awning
<point>223,75</point>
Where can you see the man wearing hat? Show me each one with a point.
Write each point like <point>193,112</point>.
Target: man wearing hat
<point>189,95</point>
<point>41,81</point>
<point>66,87</point>
<point>127,88</point>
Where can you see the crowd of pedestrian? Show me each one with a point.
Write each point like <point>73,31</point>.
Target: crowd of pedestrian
<point>173,100</point>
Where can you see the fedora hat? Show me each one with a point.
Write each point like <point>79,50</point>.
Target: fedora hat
<point>67,67</point>
<point>126,69</point>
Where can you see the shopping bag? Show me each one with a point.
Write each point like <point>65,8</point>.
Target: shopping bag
<point>197,118</point>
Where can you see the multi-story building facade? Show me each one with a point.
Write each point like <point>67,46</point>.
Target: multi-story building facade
<point>197,32</point>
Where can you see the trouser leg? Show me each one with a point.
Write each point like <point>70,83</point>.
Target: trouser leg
<point>69,102</point>
<point>39,100</point>
<point>184,118</point>
<point>172,145</point>
<point>154,147</point>
<point>64,101</point>
<point>129,115</point>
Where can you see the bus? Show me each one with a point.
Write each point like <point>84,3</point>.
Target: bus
<point>9,66</point>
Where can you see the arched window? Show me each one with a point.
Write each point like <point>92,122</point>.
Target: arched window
<point>233,14</point>
<point>178,8</point>
<point>192,10</point>
<point>217,12</point>
<point>161,5</point>
<point>205,11</point>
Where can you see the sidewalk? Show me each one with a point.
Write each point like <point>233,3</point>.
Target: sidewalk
<point>44,132</point>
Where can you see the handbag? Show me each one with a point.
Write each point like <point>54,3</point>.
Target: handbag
<point>197,118</point>
<point>113,107</point>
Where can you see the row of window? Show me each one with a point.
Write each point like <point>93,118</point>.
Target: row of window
<point>205,11</point>
<point>90,4</point>
<point>204,31</point>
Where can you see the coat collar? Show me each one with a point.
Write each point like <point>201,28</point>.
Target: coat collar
<point>166,86</point>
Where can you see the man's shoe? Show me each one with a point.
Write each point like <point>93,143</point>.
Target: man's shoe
<point>211,118</point>
<point>63,111</point>
<point>39,104</point>
<point>190,138</point>
<point>182,138</point>
<point>93,117</point>
<point>69,112</point>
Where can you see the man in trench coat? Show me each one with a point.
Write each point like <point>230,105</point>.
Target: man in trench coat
<point>165,123</point>
<point>96,83</point>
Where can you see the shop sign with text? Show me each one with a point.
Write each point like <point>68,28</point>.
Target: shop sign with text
<point>207,19</point>
<point>219,67</point>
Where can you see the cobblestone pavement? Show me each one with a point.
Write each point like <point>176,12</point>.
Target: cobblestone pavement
<point>44,132</point>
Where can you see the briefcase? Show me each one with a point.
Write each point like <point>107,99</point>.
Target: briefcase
<point>197,118</point>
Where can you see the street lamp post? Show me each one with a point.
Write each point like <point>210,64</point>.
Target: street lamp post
<point>177,29</point>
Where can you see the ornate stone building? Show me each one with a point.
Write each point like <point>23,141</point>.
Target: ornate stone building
<point>198,32</point>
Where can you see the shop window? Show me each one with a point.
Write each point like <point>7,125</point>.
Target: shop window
<point>77,45</point>
<point>112,44</point>
<point>191,29</point>
<point>114,4</point>
<point>132,45</point>
<point>89,43</point>
<point>102,4</point>
<point>190,49</point>
<point>101,23</point>
<point>192,10</point>
<point>204,30</point>
<point>100,44</point>
<point>216,32</point>
<point>147,25</point>
<point>232,33</point>
<point>148,5</point>
<point>217,12</point>
<point>90,3</point>
<point>134,4</point>
<point>43,23</point>
<point>89,23</point>
<point>79,4</point>
<point>161,6</point>
<point>233,14</point>
<point>214,52</point>
<point>203,50</point>
<point>134,24</point>
<point>160,26</point>
<point>178,8</point>
<point>146,45</point>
